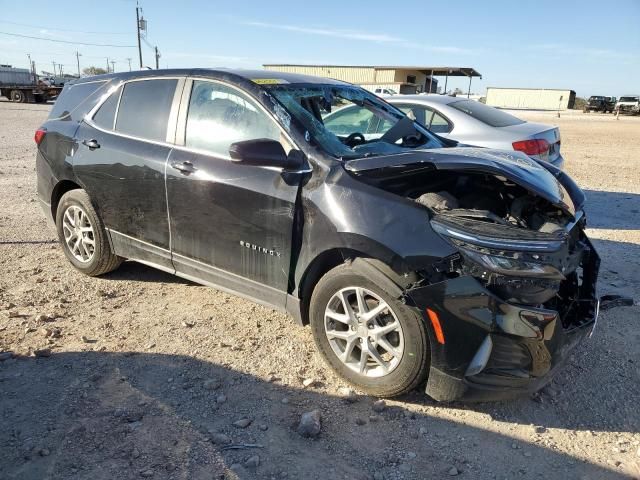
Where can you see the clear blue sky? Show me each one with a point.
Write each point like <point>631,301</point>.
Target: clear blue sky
<point>588,46</point>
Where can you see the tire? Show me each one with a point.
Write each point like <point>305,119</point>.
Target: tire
<point>403,375</point>
<point>91,259</point>
<point>17,96</point>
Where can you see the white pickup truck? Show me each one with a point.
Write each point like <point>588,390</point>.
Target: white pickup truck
<point>628,104</point>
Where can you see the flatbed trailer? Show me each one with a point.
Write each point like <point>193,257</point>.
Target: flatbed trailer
<point>29,93</point>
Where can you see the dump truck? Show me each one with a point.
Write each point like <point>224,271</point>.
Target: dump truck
<point>22,86</point>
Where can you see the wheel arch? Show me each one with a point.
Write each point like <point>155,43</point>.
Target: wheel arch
<point>378,270</point>
<point>58,191</point>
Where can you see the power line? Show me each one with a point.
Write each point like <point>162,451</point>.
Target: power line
<point>62,29</point>
<point>68,42</point>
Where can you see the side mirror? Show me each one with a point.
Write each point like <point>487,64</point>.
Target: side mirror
<point>263,152</point>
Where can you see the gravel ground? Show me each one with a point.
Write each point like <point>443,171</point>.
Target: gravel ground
<point>142,374</point>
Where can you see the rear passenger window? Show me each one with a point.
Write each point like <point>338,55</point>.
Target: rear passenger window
<point>219,116</point>
<point>418,113</point>
<point>439,124</point>
<point>144,108</point>
<point>106,114</point>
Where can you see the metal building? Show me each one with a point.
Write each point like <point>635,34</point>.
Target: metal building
<point>531,98</point>
<point>398,79</point>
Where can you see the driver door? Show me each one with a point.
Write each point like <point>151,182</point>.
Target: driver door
<point>231,223</point>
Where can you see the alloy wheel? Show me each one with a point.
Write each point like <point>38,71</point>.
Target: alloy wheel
<point>364,332</point>
<point>78,233</point>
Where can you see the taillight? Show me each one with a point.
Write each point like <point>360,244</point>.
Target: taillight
<point>39,135</point>
<point>538,146</point>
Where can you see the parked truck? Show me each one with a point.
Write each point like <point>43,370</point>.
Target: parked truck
<point>22,86</point>
<point>599,103</point>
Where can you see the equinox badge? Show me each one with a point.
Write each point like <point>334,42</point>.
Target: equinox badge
<point>260,249</point>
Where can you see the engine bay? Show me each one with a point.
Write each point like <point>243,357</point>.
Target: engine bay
<point>478,196</point>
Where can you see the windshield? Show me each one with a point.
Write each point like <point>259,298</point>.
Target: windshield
<point>628,99</point>
<point>349,122</point>
<point>489,115</point>
<point>596,98</point>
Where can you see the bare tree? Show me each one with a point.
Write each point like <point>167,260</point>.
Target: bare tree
<point>90,71</point>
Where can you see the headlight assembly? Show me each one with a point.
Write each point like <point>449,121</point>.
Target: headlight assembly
<point>517,268</point>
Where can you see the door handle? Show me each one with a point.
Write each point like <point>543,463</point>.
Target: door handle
<point>184,167</point>
<point>92,144</point>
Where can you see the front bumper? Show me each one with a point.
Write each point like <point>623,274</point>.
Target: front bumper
<point>493,350</point>
<point>628,108</point>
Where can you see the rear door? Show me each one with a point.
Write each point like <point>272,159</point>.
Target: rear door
<point>231,224</point>
<point>122,151</point>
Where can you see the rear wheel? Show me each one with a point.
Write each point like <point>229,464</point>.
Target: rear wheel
<point>17,96</point>
<point>83,236</point>
<point>367,335</point>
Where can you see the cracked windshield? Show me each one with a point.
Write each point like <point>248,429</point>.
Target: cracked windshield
<point>350,123</point>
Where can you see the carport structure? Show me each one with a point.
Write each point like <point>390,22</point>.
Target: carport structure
<point>378,78</point>
<point>451,72</point>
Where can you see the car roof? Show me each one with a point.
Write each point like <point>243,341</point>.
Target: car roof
<point>217,73</point>
<point>430,98</point>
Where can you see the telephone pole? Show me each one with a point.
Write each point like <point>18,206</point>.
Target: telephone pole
<point>129,60</point>
<point>138,30</point>
<point>54,68</point>
<point>31,67</point>
<point>108,65</point>
<point>113,66</point>
<point>78,55</point>
<point>157,58</point>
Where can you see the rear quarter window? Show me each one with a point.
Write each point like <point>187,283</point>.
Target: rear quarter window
<point>105,116</point>
<point>144,108</point>
<point>74,100</point>
<point>486,114</point>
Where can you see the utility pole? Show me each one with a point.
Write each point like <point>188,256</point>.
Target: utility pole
<point>78,55</point>
<point>31,67</point>
<point>138,30</point>
<point>108,65</point>
<point>60,66</point>
<point>113,66</point>
<point>157,58</point>
<point>129,60</point>
<point>54,68</point>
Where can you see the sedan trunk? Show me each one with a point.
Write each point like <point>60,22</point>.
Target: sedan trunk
<point>538,131</point>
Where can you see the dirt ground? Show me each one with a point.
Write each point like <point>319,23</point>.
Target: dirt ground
<point>148,373</point>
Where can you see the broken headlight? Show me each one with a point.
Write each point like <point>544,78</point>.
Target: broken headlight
<point>514,269</point>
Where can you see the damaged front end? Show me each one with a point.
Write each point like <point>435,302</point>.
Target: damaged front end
<point>520,292</point>
<point>516,305</point>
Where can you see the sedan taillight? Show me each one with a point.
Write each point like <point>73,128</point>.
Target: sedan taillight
<point>537,146</point>
<point>39,135</point>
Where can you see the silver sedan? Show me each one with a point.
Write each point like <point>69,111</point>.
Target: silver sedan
<point>474,123</point>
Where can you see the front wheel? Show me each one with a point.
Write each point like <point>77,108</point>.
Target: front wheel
<point>366,335</point>
<point>83,236</point>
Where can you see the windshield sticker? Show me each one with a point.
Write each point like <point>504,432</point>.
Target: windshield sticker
<point>269,81</point>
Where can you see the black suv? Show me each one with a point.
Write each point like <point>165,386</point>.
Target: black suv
<point>598,103</point>
<point>410,258</point>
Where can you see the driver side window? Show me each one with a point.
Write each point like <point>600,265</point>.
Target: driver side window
<point>219,116</point>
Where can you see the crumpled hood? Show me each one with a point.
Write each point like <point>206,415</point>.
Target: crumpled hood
<point>544,181</point>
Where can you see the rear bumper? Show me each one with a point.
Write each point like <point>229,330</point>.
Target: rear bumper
<point>493,350</point>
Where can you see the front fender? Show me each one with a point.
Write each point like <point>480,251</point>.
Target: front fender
<point>346,214</point>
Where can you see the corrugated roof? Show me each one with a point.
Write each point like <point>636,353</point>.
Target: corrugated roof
<point>451,71</point>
